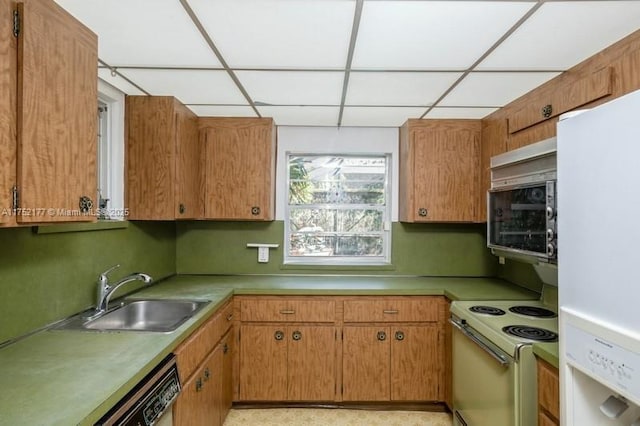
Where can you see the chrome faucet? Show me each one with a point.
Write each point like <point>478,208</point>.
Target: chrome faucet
<point>105,290</point>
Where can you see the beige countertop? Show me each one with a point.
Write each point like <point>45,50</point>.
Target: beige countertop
<point>65,377</point>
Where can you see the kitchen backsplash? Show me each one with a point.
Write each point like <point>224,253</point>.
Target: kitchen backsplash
<point>417,249</point>
<point>46,277</point>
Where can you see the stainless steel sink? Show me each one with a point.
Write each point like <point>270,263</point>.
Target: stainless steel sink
<point>156,315</point>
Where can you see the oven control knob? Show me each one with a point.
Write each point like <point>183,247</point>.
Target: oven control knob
<point>550,234</point>
<point>551,250</point>
<point>551,213</point>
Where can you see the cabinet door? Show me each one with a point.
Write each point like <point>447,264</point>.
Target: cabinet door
<point>151,179</point>
<point>263,363</point>
<point>311,366</point>
<point>494,142</point>
<point>199,401</point>
<point>227,376</point>
<point>189,199</point>
<point>365,363</point>
<point>415,367</point>
<point>240,167</point>
<point>8,55</point>
<point>445,168</point>
<point>57,114</point>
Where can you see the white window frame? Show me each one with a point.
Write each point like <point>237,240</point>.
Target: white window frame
<point>383,260</point>
<point>110,169</point>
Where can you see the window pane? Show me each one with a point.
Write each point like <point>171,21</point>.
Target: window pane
<point>337,209</point>
<point>309,244</point>
<point>333,220</point>
<point>337,180</point>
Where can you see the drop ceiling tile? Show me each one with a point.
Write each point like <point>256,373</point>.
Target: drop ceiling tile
<point>398,88</point>
<point>379,116</point>
<point>279,33</point>
<point>222,110</point>
<point>143,33</point>
<point>562,34</point>
<point>118,82</point>
<point>189,86</point>
<point>494,89</point>
<point>431,34</point>
<point>301,115</point>
<point>472,113</point>
<point>293,87</point>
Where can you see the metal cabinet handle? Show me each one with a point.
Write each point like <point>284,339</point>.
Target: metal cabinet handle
<point>85,204</point>
<point>296,335</point>
<point>287,312</point>
<point>198,384</point>
<point>279,335</point>
<point>399,335</point>
<point>229,317</point>
<point>546,111</point>
<point>382,336</point>
<point>390,311</point>
<point>422,212</point>
<point>255,210</point>
<point>207,374</point>
<point>225,348</point>
<point>181,208</point>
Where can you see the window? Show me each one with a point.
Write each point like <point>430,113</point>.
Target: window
<point>338,209</point>
<point>110,154</point>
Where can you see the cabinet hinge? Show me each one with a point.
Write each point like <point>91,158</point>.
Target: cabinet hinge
<point>15,198</point>
<point>16,23</point>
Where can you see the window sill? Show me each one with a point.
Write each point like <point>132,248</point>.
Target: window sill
<point>102,225</point>
<point>307,267</point>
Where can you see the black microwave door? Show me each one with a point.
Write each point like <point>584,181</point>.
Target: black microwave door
<point>517,218</point>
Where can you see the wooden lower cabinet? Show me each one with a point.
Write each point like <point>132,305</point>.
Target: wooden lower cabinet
<point>263,363</point>
<point>205,366</point>
<point>365,363</point>
<point>226,397</point>
<point>287,363</point>
<point>548,394</point>
<point>391,363</point>
<point>200,400</point>
<point>341,349</point>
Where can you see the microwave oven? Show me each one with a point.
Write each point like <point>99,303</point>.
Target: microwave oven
<point>522,203</point>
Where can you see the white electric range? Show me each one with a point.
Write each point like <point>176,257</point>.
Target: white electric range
<point>494,369</point>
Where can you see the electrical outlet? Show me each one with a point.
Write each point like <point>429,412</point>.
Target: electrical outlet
<point>263,254</point>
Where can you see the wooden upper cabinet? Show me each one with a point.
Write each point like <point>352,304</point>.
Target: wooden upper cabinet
<point>57,95</point>
<point>439,165</point>
<point>240,168</point>
<point>8,76</point>
<point>494,142</point>
<point>570,96</point>
<point>163,160</point>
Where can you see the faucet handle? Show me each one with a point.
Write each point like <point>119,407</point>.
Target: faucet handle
<point>102,278</point>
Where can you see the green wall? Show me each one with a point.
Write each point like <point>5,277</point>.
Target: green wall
<point>47,277</point>
<point>520,273</point>
<point>417,249</point>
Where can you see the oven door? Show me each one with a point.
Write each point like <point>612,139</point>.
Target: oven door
<point>483,381</point>
<point>522,219</point>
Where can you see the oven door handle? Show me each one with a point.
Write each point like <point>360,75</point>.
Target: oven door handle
<point>482,343</point>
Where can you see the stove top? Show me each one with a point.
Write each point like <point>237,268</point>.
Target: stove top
<point>510,323</point>
<point>536,334</point>
<point>533,311</point>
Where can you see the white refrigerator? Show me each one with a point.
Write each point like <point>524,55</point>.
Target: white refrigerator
<point>599,264</point>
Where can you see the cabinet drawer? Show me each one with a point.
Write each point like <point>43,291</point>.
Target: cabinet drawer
<point>548,388</point>
<point>392,310</point>
<point>287,310</point>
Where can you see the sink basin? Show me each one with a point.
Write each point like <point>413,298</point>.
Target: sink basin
<point>157,315</point>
